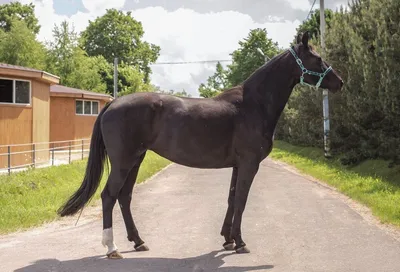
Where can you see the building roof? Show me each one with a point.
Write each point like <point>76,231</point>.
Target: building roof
<point>64,91</point>
<point>15,70</point>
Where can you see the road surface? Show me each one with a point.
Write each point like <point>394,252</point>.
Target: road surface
<point>291,223</point>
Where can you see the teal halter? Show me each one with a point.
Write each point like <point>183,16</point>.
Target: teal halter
<point>305,71</point>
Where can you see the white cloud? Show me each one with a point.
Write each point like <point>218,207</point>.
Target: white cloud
<point>183,35</point>
<point>300,4</point>
<point>102,5</point>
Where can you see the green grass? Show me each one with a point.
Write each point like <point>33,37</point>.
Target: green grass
<point>371,183</point>
<point>31,198</point>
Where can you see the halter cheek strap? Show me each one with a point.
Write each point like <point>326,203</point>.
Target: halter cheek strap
<point>306,71</point>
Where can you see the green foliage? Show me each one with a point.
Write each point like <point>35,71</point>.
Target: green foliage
<point>362,46</point>
<point>245,60</point>
<point>71,63</point>
<point>371,182</point>
<point>16,11</point>
<point>312,25</point>
<point>215,83</point>
<point>157,89</point>
<point>116,34</point>
<point>32,197</point>
<point>19,46</point>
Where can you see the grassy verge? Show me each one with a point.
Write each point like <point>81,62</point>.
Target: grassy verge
<point>31,198</point>
<point>371,183</point>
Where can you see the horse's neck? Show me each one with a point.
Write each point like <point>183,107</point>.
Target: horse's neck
<point>270,90</point>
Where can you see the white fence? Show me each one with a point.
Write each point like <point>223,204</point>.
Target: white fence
<point>19,157</point>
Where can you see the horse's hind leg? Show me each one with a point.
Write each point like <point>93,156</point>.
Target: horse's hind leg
<point>120,169</point>
<point>124,200</point>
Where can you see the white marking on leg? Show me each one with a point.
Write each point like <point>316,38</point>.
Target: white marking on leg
<point>108,240</point>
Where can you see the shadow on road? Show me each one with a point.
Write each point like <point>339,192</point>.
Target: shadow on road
<point>206,262</point>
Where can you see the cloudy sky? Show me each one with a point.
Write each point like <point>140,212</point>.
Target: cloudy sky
<point>186,30</point>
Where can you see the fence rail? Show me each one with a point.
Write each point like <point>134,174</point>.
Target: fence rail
<point>17,157</point>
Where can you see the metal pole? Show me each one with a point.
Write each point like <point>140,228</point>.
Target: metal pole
<point>325,98</point>
<point>69,152</point>
<point>82,148</point>
<point>115,77</point>
<point>52,154</point>
<point>34,155</point>
<point>9,159</point>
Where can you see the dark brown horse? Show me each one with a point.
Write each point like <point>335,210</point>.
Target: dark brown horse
<point>234,129</point>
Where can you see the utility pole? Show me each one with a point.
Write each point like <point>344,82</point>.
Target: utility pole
<point>325,98</point>
<point>115,77</point>
<point>266,59</point>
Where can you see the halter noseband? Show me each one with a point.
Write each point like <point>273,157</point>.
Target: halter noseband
<point>306,71</point>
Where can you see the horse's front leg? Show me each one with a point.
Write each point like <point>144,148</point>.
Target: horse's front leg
<point>246,173</point>
<point>227,225</point>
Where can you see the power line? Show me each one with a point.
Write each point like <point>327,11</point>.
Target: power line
<point>310,10</point>
<point>189,62</point>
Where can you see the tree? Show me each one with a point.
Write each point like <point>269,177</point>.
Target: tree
<point>182,93</point>
<point>116,34</point>
<point>246,59</point>
<point>18,46</point>
<point>215,83</point>
<point>16,11</point>
<point>72,64</point>
<point>312,25</point>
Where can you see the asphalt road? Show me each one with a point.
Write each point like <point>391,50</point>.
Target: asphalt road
<point>291,223</point>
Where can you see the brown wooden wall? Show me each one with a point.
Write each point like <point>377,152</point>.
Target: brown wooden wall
<point>65,124</point>
<point>41,119</point>
<point>15,128</point>
<point>25,125</point>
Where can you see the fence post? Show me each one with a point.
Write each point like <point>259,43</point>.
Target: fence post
<point>9,159</point>
<point>34,155</point>
<point>82,148</point>
<point>69,151</point>
<point>52,154</point>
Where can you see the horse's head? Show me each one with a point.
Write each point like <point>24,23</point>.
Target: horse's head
<point>312,69</point>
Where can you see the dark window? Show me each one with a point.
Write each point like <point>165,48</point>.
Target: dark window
<point>79,107</point>
<point>6,91</point>
<point>15,91</point>
<point>22,92</point>
<point>95,107</point>
<point>88,107</point>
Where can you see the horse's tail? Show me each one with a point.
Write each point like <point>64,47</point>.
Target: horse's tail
<point>93,174</point>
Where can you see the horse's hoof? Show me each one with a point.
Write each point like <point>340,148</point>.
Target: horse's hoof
<point>142,247</point>
<point>229,245</point>
<point>242,250</point>
<point>114,255</point>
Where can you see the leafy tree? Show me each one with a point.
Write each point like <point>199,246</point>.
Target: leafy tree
<point>215,83</point>
<point>246,59</point>
<point>182,93</point>
<point>71,63</point>
<point>116,34</point>
<point>17,11</point>
<point>312,25</point>
<point>19,46</point>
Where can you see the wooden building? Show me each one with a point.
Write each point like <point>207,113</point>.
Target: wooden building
<point>73,112</point>
<point>36,110</point>
<point>24,111</point>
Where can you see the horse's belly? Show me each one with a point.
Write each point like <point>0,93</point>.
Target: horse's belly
<point>200,151</point>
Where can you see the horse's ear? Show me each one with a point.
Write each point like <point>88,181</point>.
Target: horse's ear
<point>305,38</point>
<point>299,38</point>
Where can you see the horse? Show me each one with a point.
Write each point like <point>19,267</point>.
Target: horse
<point>234,129</point>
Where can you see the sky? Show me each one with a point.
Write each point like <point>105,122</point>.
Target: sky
<point>186,30</point>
